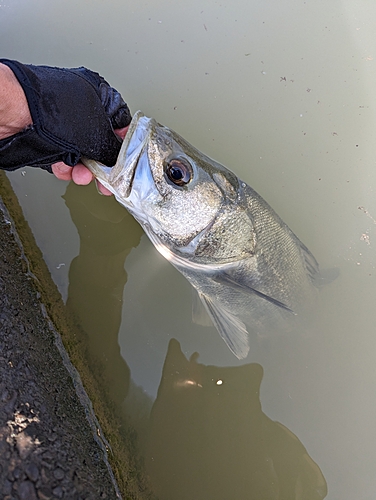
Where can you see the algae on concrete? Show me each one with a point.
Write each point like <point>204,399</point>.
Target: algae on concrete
<point>51,442</point>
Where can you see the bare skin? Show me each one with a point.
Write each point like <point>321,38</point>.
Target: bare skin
<point>15,117</point>
<point>14,110</point>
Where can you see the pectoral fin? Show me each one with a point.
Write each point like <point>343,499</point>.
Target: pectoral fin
<point>200,315</point>
<point>231,329</point>
<point>226,279</point>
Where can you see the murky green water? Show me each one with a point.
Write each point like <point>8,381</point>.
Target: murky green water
<point>283,93</point>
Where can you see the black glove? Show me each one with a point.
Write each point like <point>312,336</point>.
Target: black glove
<point>74,113</point>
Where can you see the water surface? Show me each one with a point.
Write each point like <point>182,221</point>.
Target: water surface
<point>284,95</point>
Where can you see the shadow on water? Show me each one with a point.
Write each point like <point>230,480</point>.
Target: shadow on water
<point>209,438</point>
<point>206,436</point>
<point>97,278</point>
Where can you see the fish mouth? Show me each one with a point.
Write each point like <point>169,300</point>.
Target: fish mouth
<point>131,129</point>
<point>135,141</point>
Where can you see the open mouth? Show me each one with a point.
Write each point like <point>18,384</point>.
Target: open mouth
<point>127,138</point>
<point>136,137</point>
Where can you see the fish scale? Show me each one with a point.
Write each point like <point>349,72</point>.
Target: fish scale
<point>251,273</point>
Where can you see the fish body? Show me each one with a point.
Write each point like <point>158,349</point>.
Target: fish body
<point>248,268</point>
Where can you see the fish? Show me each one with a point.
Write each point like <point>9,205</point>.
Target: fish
<point>250,271</point>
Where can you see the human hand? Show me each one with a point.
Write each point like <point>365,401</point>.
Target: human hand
<point>56,100</point>
<point>80,174</point>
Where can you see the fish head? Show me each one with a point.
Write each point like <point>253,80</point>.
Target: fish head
<point>171,188</point>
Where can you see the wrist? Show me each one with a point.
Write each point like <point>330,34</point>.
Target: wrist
<point>14,109</point>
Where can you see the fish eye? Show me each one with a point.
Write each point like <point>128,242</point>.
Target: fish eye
<point>179,171</point>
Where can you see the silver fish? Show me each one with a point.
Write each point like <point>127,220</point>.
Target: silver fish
<point>245,263</point>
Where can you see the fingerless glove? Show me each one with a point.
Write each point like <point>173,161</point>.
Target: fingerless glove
<point>74,113</point>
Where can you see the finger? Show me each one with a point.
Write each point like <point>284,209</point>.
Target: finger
<point>103,190</point>
<point>121,132</point>
<point>62,171</point>
<point>81,175</point>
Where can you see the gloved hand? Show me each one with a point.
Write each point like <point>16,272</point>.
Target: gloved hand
<point>74,112</point>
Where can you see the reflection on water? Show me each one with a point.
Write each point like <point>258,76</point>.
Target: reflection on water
<point>206,436</point>
<point>209,438</point>
<point>97,278</point>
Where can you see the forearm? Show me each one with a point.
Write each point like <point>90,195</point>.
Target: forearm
<point>14,109</point>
